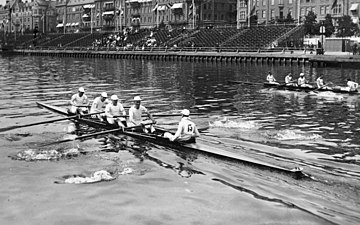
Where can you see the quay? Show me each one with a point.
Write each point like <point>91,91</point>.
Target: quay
<point>203,55</point>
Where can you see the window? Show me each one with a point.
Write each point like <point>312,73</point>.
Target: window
<point>242,14</point>
<point>242,4</point>
<point>302,11</point>
<point>290,2</point>
<point>272,13</point>
<point>272,2</point>
<point>264,2</point>
<point>264,14</point>
<point>290,12</point>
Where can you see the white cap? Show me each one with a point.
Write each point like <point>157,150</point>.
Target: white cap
<point>185,112</point>
<point>81,89</point>
<point>114,97</point>
<point>137,98</point>
<point>104,94</point>
<point>301,74</point>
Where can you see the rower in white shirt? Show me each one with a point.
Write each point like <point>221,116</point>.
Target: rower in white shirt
<point>187,130</point>
<point>289,81</point>
<point>98,105</point>
<point>79,102</point>
<point>351,85</point>
<point>320,83</point>
<point>135,114</point>
<point>302,82</point>
<point>115,112</point>
<point>271,79</point>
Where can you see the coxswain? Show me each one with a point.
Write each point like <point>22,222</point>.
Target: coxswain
<point>187,130</point>
<point>115,112</point>
<point>98,105</point>
<point>302,82</point>
<point>320,83</point>
<point>135,114</point>
<point>271,79</point>
<point>79,102</point>
<point>289,81</point>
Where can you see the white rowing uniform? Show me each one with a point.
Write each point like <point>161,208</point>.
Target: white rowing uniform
<point>113,111</point>
<point>98,105</point>
<point>288,79</point>
<point>270,78</point>
<point>77,101</point>
<point>301,81</point>
<point>352,86</point>
<point>186,130</point>
<point>135,115</point>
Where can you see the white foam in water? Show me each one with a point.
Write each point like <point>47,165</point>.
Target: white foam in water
<point>227,123</point>
<point>294,135</point>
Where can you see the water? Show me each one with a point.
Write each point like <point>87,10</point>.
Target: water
<point>316,131</point>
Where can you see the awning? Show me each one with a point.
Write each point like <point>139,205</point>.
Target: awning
<point>177,6</point>
<point>73,24</point>
<point>354,7</point>
<point>161,8</point>
<point>85,15</point>
<point>155,8</point>
<point>108,13</point>
<point>89,6</point>
<point>68,24</point>
<point>60,25</point>
<point>76,24</point>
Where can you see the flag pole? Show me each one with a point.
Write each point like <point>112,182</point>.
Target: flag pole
<point>194,11</point>
<point>249,2</point>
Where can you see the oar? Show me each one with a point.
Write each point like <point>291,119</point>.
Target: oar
<point>98,133</point>
<point>244,82</point>
<point>173,114</point>
<point>44,122</point>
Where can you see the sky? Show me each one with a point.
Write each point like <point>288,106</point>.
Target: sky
<point>2,2</point>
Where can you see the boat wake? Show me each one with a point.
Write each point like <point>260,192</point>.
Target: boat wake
<point>285,135</point>
<point>228,123</point>
<point>52,154</point>
<point>98,176</point>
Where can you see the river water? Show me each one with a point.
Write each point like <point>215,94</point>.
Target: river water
<point>318,132</point>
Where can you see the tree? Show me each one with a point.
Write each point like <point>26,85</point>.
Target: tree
<point>346,27</point>
<point>329,26</point>
<point>310,24</point>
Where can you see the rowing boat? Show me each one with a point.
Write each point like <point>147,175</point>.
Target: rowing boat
<point>296,88</point>
<point>156,137</point>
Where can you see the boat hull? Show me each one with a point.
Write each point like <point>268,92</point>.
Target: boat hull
<point>198,147</point>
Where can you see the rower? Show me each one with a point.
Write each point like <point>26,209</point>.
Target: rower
<point>271,79</point>
<point>98,105</point>
<point>351,86</point>
<point>79,102</point>
<point>135,114</point>
<point>187,130</point>
<point>289,81</point>
<point>320,83</point>
<point>115,112</point>
<point>302,82</point>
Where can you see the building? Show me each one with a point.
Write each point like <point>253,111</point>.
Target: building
<point>28,16</point>
<point>275,11</point>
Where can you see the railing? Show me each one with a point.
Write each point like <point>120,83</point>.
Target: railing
<point>163,49</point>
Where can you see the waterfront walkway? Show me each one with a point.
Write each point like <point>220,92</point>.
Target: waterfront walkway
<point>286,57</point>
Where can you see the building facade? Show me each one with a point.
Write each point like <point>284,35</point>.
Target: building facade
<point>25,17</point>
<point>273,11</point>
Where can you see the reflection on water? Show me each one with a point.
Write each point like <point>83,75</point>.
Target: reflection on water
<point>317,131</point>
